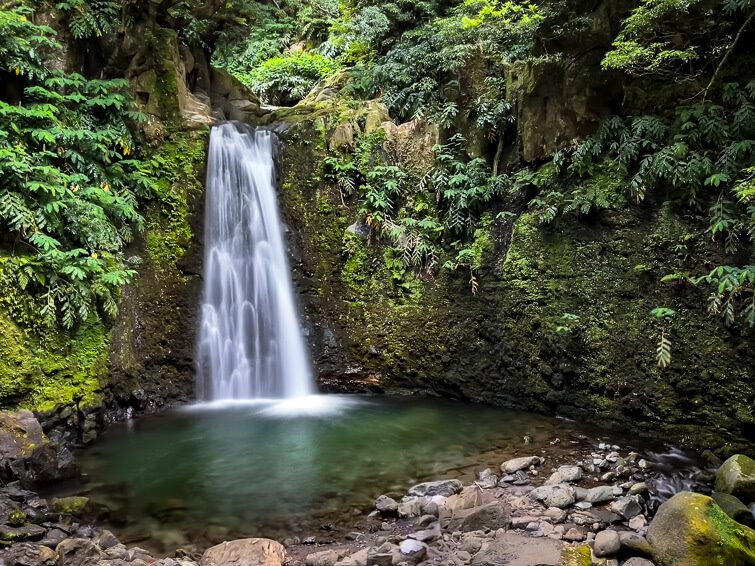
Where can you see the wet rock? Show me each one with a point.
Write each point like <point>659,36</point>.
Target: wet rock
<point>599,494</point>
<point>737,477</point>
<point>27,454</point>
<point>445,488</point>
<point>632,543</point>
<point>734,508</point>
<point>523,463</point>
<point>517,550</point>
<point>691,530</point>
<point>565,474</point>
<point>245,552</point>
<point>27,554</point>
<point>495,515</point>
<point>19,534</point>
<point>639,488</point>
<point>560,496</point>
<point>386,506</point>
<point>607,543</point>
<point>628,506</point>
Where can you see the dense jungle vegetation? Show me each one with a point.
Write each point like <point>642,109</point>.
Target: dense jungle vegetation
<point>74,178</point>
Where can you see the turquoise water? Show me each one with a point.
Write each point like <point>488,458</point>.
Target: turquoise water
<point>266,470</point>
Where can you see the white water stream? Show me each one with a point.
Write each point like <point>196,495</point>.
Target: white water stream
<point>250,342</point>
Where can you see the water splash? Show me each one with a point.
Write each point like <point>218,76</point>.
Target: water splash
<point>250,342</point>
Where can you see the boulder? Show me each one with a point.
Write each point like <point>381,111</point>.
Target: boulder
<point>245,552</point>
<point>493,516</point>
<point>737,477</point>
<point>628,506</point>
<point>690,529</point>
<point>523,463</point>
<point>444,488</point>
<point>27,455</point>
<point>412,550</point>
<point>734,508</point>
<point>560,496</point>
<point>633,543</point>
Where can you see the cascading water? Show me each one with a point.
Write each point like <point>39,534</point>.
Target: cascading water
<point>250,342</point>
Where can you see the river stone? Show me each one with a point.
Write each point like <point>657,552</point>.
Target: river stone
<point>493,516</point>
<point>560,496</point>
<point>27,554</point>
<point>690,529</point>
<point>565,474</point>
<point>384,555</point>
<point>356,559</point>
<point>523,463</point>
<point>468,498</point>
<point>445,488</point>
<point>599,494</point>
<point>511,549</point>
<point>628,506</point>
<point>410,507</point>
<point>737,477</point>
<point>607,543</point>
<point>386,505</point>
<point>18,534</point>
<point>634,543</point>
<point>245,552</point>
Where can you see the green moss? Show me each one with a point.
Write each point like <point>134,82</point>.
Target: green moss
<point>70,505</point>
<point>163,43</point>
<point>576,556</point>
<point>178,165</point>
<point>43,372</point>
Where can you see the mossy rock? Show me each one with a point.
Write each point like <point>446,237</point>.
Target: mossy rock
<point>75,506</point>
<point>690,529</point>
<point>737,477</point>
<point>576,556</point>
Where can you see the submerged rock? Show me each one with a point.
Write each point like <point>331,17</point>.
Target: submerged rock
<point>245,552</point>
<point>737,477</point>
<point>692,530</point>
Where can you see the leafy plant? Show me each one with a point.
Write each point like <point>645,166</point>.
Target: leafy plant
<point>664,317</point>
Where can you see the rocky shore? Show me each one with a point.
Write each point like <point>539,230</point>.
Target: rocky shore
<point>604,510</point>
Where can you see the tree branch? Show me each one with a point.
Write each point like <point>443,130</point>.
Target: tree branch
<point>729,51</point>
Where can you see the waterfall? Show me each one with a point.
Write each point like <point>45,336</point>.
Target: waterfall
<point>250,342</point>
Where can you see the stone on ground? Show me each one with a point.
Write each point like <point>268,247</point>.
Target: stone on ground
<point>692,530</point>
<point>511,549</point>
<point>523,463</point>
<point>565,474</point>
<point>734,508</point>
<point>560,496</point>
<point>445,488</point>
<point>245,552</point>
<point>607,543</point>
<point>493,516</point>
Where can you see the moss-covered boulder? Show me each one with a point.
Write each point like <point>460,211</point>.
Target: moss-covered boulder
<point>737,477</point>
<point>734,508</point>
<point>690,529</point>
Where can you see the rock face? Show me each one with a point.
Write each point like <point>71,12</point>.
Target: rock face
<point>691,530</point>
<point>27,454</point>
<point>737,477</point>
<point>245,552</point>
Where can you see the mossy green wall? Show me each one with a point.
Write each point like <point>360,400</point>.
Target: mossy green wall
<point>511,343</point>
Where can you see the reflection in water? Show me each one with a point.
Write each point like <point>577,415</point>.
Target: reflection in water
<point>264,470</point>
